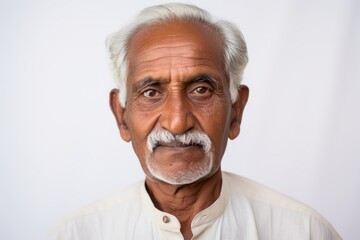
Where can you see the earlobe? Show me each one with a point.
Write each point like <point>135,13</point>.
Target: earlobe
<point>119,114</point>
<point>237,111</point>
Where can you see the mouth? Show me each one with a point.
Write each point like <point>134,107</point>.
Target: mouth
<point>175,145</point>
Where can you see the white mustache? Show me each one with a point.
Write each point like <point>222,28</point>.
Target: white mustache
<point>189,138</point>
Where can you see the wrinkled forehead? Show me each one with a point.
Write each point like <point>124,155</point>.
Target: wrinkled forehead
<point>203,38</point>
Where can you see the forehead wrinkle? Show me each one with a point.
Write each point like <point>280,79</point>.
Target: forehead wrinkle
<point>186,51</point>
<point>173,59</point>
<point>180,59</point>
<point>167,63</point>
<point>182,73</point>
<point>184,48</point>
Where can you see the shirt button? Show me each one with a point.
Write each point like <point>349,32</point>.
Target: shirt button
<point>166,219</point>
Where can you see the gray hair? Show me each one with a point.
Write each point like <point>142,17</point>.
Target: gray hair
<point>188,138</point>
<point>235,51</point>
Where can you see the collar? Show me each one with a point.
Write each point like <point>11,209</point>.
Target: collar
<point>169,222</point>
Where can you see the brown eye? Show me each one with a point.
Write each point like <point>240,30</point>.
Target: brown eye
<point>201,93</point>
<point>150,93</point>
<point>201,90</point>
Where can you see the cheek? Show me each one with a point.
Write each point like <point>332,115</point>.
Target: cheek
<point>140,124</point>
<point>138,119</point>
<point>215,120</point>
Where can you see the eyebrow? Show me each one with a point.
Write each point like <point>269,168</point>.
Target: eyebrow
<point>145,83</point>
<point>205,78</point>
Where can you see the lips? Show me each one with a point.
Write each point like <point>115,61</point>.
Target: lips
<point>175,145</point>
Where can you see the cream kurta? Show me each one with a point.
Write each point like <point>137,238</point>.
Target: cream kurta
<point>245,210</point>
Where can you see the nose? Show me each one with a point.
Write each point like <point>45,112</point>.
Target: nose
<point>177,116</point>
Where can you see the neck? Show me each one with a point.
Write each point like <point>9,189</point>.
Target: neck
<point>185,201</point>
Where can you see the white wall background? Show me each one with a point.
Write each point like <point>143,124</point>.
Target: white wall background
<point>59,146</point>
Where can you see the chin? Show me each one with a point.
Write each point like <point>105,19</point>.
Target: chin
<point>184,176</point>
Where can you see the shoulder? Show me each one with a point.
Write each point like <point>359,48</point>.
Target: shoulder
<point>87,223</point>
<point>267,204</point>
<point>255,191</point>
<point>119,200</point>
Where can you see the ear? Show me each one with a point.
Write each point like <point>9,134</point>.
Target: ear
<point>120,115</point>
<point>237,111</point>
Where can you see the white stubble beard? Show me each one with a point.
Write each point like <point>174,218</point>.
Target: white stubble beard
<point>181,177</point>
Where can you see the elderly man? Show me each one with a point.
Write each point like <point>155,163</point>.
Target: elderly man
<point>179,99</point>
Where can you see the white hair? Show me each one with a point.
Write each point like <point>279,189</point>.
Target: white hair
<point>235,51</point>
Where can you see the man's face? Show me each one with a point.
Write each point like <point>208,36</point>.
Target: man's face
<point>177,82</point>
